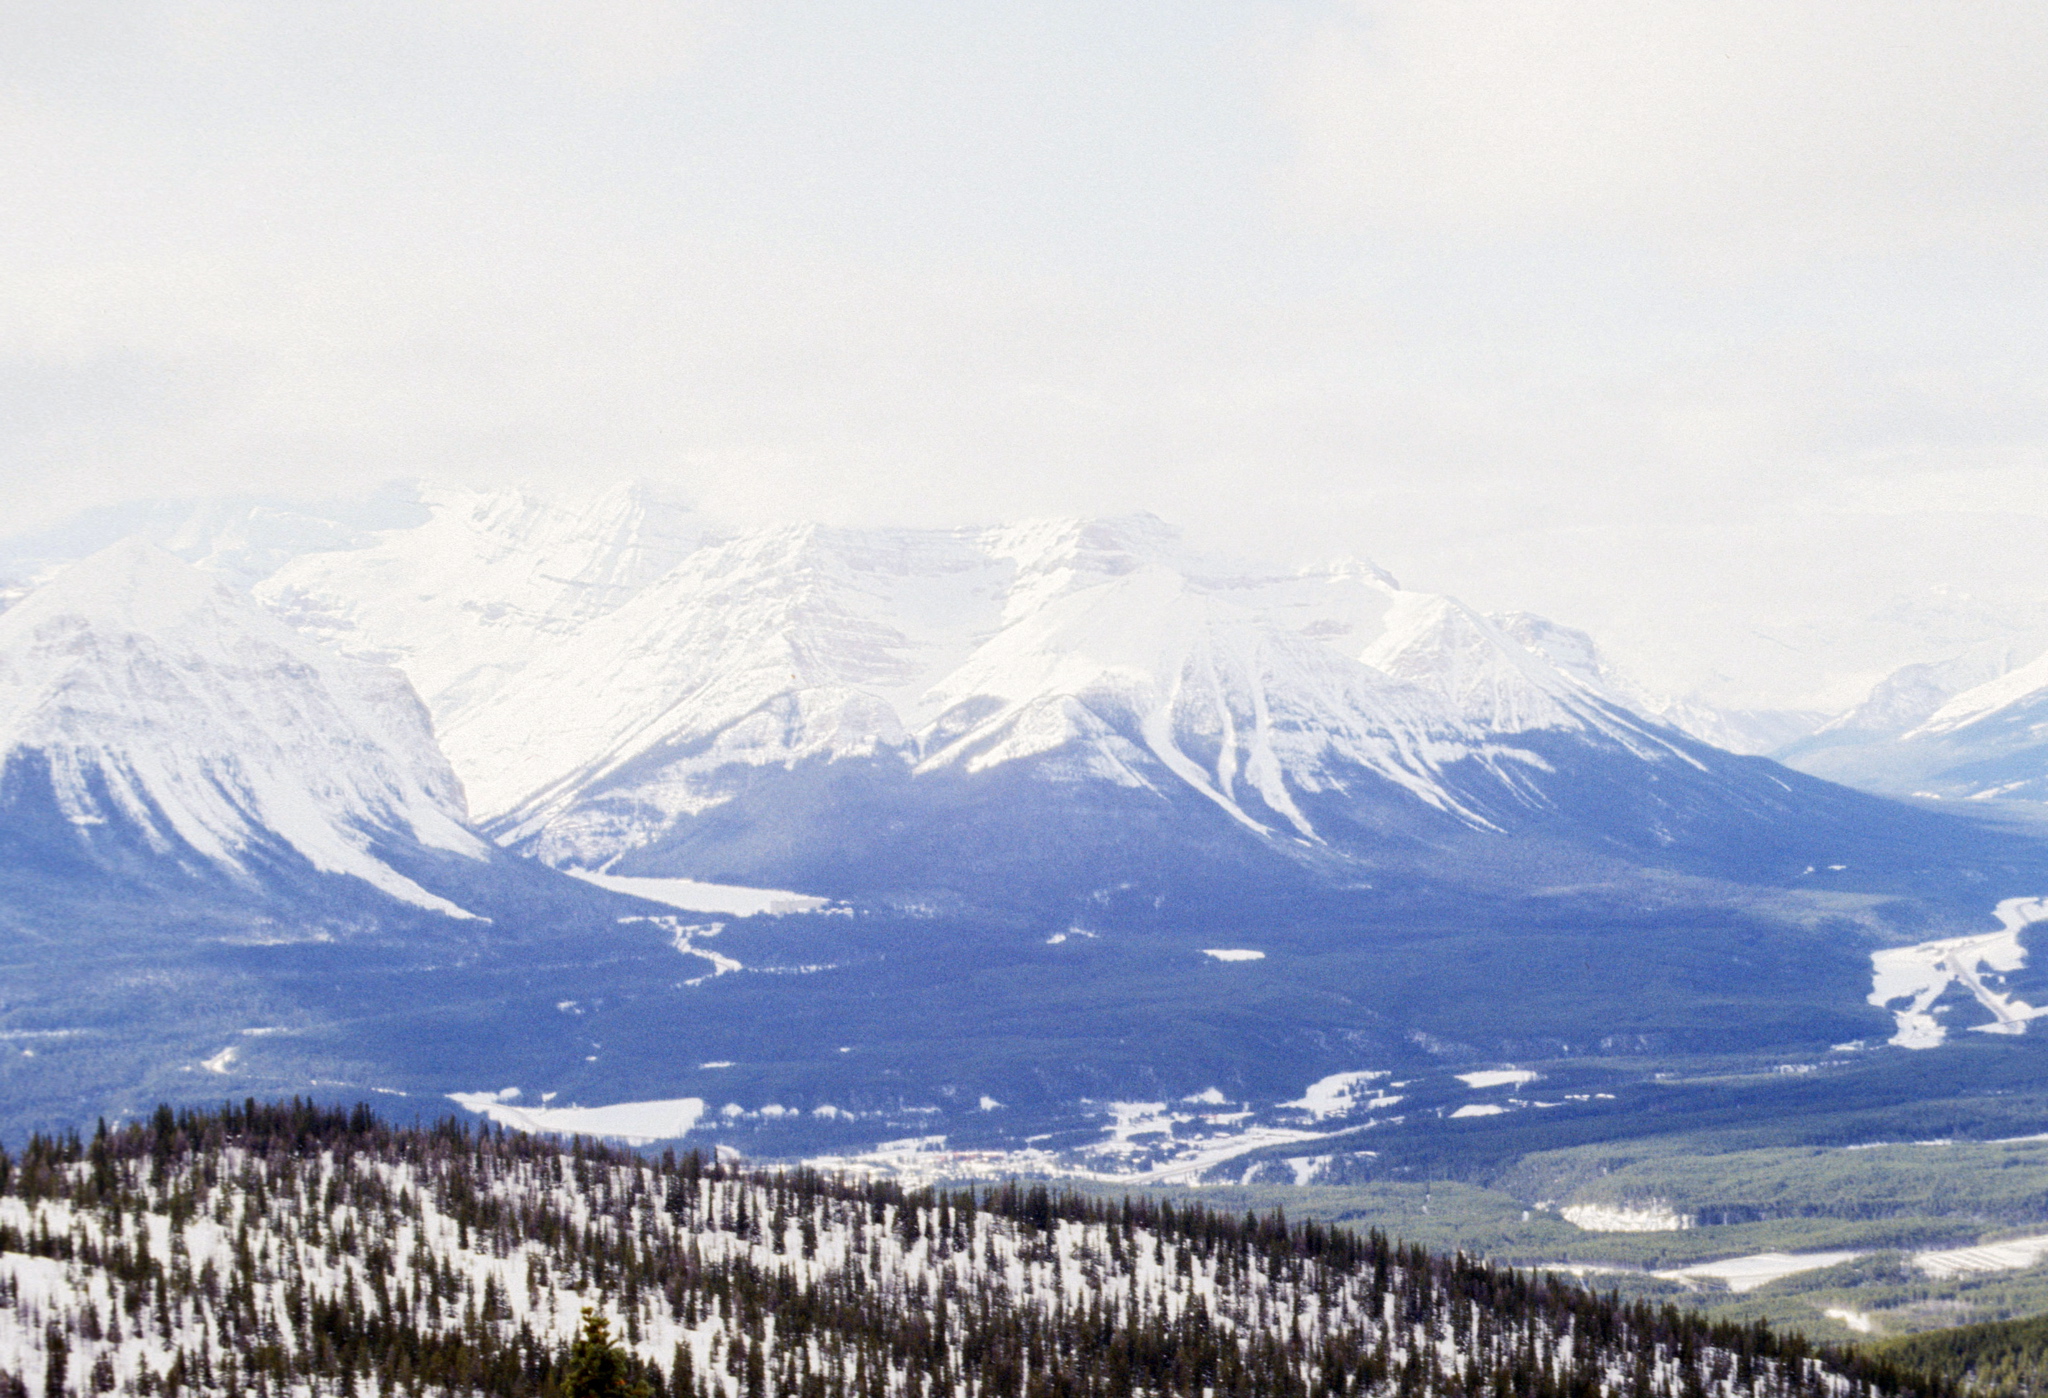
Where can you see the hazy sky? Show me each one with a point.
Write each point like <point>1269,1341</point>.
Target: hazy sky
<point>1719,328</point>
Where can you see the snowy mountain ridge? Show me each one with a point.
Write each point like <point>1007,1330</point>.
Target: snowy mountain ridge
<point>462,599</point>
<point>139,694</point>
<point>612,678</point>
<point>1102,647</point>
<point>1973,726</point>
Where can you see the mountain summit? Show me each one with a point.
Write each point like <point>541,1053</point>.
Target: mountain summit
<point>151,718</point>
<point>1056,705</point>
<point>1051,814</point>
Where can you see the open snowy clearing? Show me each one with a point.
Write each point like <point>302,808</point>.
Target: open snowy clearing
<point>634,1123</point>
<point>1497,1077</point>
<point>1922,974</point>
<point>1652,1216</point>
<point>1338,1095</point>
<point>2007,1256</point>
<point>1741,1274</point>
<point>692,896</point>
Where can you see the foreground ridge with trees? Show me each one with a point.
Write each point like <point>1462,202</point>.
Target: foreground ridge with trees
<point>1997,1359</point>
<point>296,1249</point>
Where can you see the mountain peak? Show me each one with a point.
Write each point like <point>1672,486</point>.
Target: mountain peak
<point>133,583</point>
<point>1352,570</point>
<point>157,703</point>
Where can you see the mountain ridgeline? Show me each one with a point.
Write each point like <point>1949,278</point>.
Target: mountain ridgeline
<point>290,1249</point>
<point>1049,815</point>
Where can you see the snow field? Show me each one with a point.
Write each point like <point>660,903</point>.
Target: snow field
<point>2005,1256</point>
<point>163,700</point>
<point>693,896</point>
<point>1922,974</point>
<point>634,1123</point>
<point>1497,1077</point>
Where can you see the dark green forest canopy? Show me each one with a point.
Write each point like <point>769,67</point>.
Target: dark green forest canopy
<point>2000,1359</point>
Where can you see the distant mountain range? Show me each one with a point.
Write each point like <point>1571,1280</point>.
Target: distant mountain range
<point>868,711</point>
<point>1064,747</point>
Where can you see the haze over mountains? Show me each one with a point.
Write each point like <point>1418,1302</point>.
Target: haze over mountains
<point>153,712</point>
<point>616,686</point>
<point>465,591</point>
<point>1169,820</point>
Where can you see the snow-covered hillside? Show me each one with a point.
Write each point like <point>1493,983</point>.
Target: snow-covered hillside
<point>143,701</point>
<point>588,728</point>
<point>466,598</point>
<point>610,680</point>
<point>618,687</point>
<point>288,1250</point>
<point>1972,727</point>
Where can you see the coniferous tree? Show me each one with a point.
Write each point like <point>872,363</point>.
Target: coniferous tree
<point>598,1368</point>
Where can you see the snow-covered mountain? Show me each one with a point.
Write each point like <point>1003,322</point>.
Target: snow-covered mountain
<point>1991,740</point>
<point>240,537</point>
<point>147,710</point>
<point>1973,726</point>
<point>619,688</point>
<point>1091,652</point>
<point>467,597</point>
<point>1752,732</point>
<point>1077,788</point>
<point>618,692</point>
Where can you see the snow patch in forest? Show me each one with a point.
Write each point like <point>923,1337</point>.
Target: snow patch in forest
<point>223,1061</point>
<point>1497,1077</point>
<point>1338,1095</point>
<point>634,1123</point>
<point>734,900</point>
<point>2007,1256</point>
<point>1920,975</point>
<point>1650,1216</point>
<point>1741,1274</point>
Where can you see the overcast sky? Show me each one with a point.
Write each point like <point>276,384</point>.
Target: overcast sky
<point>1719,328</point>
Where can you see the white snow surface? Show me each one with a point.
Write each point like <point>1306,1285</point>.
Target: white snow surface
<point>1650,1216</point>
<point>1497,1077</point>
<point>598,669</point>
<point>1994,696</point>
<point>1338,1095</point>
<point>465,600</point>
<point>1740,1274</point>
<point>1751,731</point>
<point>634,1123</point>
<point>1912,695</point>
<point>2006,1256</point>
<point>160,697</point>
<point>1920,975</point>
<point>692,896</point>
